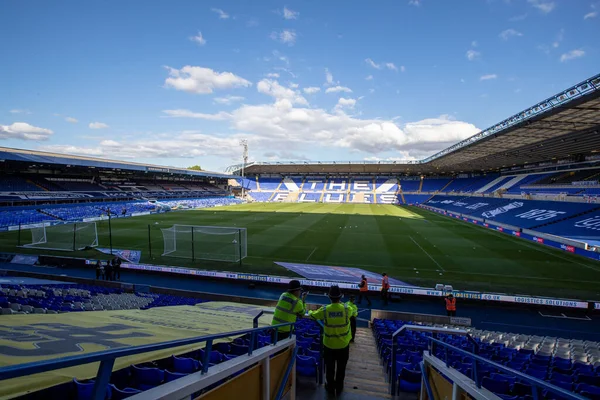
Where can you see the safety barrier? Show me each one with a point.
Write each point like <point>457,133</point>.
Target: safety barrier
<point>470,385</point>
<point>182,387</point>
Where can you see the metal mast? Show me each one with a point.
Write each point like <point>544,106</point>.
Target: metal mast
<point>244,144</point>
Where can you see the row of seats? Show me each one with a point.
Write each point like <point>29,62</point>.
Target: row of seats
<point>52,299</point>
<point>140,377</point>
<point>539,357</point>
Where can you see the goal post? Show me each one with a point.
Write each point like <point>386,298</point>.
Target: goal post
<point>216,243</point>
<point>66,237</point>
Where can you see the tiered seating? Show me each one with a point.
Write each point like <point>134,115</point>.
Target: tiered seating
<point>410,185</point>
<point>78,186</point>
<point>269,184</point>
<point>76,213</point>
<point>138,378</point>
<point>570,364</point>
<point>23,217</point>
<point>52,299</point>
<point>433,185</point>
<point>468,185</point>
<point>261,196</point>
<point>416,198</point>
<point>16,183</point>
<point>521,213</point>
<point>529,180</point>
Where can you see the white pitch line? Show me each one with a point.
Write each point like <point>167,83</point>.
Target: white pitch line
<point>311,253</point>
<point>428,255</point>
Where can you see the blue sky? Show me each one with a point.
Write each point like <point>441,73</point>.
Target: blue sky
<point>181,82</point>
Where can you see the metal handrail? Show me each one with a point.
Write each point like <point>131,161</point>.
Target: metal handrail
<point>535,383</point>
<point>107,357</point>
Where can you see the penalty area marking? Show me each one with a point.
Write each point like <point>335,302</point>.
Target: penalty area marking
<point>428,255</point>
<point>563,316</point>
<point>311,253</point>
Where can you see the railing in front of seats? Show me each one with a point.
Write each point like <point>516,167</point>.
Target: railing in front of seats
<point>107,358</point>
<point>537,385</point>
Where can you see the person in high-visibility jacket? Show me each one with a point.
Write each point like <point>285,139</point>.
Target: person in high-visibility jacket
<point>450,305</point>
<point>363,290</point>
<point>385,287</point>
<point>336,339</point>
<point>289,307</point>
<point>353,315</point>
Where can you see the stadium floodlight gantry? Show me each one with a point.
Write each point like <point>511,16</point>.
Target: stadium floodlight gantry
<point>216,243</point>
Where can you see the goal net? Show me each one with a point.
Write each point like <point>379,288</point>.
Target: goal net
<point>217,243</point>
<point>67,237</point>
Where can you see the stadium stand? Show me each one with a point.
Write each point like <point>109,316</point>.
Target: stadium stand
<point>11,182</point>
<point>573,365</point>
<point>60,298</point>
<point>416,198</point>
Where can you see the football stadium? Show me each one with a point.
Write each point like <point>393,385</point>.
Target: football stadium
<point>471,272</point>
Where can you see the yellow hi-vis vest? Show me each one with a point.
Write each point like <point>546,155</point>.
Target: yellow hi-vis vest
<point>288,308</point>
<point>352,308</point>
<point>336,325</point>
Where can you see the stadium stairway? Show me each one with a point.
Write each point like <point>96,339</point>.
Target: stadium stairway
<point>365,378</point>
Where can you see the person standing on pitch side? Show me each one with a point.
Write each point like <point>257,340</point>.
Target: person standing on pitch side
<point>385,287</point>
<point>450,305</point>
<point>363,289</point>
<point>336,339</point>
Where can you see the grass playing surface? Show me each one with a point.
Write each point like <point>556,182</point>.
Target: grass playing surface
<point>410,244</point>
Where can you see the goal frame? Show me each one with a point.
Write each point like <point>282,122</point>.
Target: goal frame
<point>43,238</point>
<point>241,238</point>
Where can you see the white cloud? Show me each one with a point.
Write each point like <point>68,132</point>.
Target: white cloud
<point>201,80</point>
<point>294,85</point>
<point>543,6</point>
<point>272,75</point>
<point>474,43</point>
<point>222,14</point>
<point>17,111</point>
<point>508,33</point>
<point>228,99</point>
<point>518,18</point>
<point>392,66</point>
<point>345,103</point>
<point>220,116</point>
<point>328,77</point>
<point>24,131</point>
<point>282,126</point>
<point>371,90</point>
<point>286,36</point>
<point>488,77</point>
<point>312,90</point>
<point>559,38</point>
<point>590,15</point>
<point>372,63</point>
<point>71,120</point>
<point>571,55</point>
<point>473,55</point>
<point>414,2</point>
<point>274,89</point>
<point>181,145</point>
<point>369,78</point>
<point>97,125</point>
<point>199,39</point>
<point>337,89</point>
<point>290,14</point>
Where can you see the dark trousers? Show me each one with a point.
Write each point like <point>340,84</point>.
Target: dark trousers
<point>98,274</point>
<point>335,367</point>
<point>117,273</point>
<point>282,335</point>
<point>451,313</point>
<point>360,297</point>
<point>353,327</point>
<point>385,296</point>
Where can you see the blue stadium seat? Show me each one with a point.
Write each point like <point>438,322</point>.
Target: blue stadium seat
<point>222,347</point>
<point>185,365</point>
<point>238,350</point>
<point>306,366</point>
<point>118,394</point>
<point>147,378</point>
<point>214,358</point>
<point>498,387</point>
<point>409,381</point>
<point>171,376</point>
<point>84,389</point>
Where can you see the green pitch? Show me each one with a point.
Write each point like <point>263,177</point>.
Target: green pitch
<point>410,244</point>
